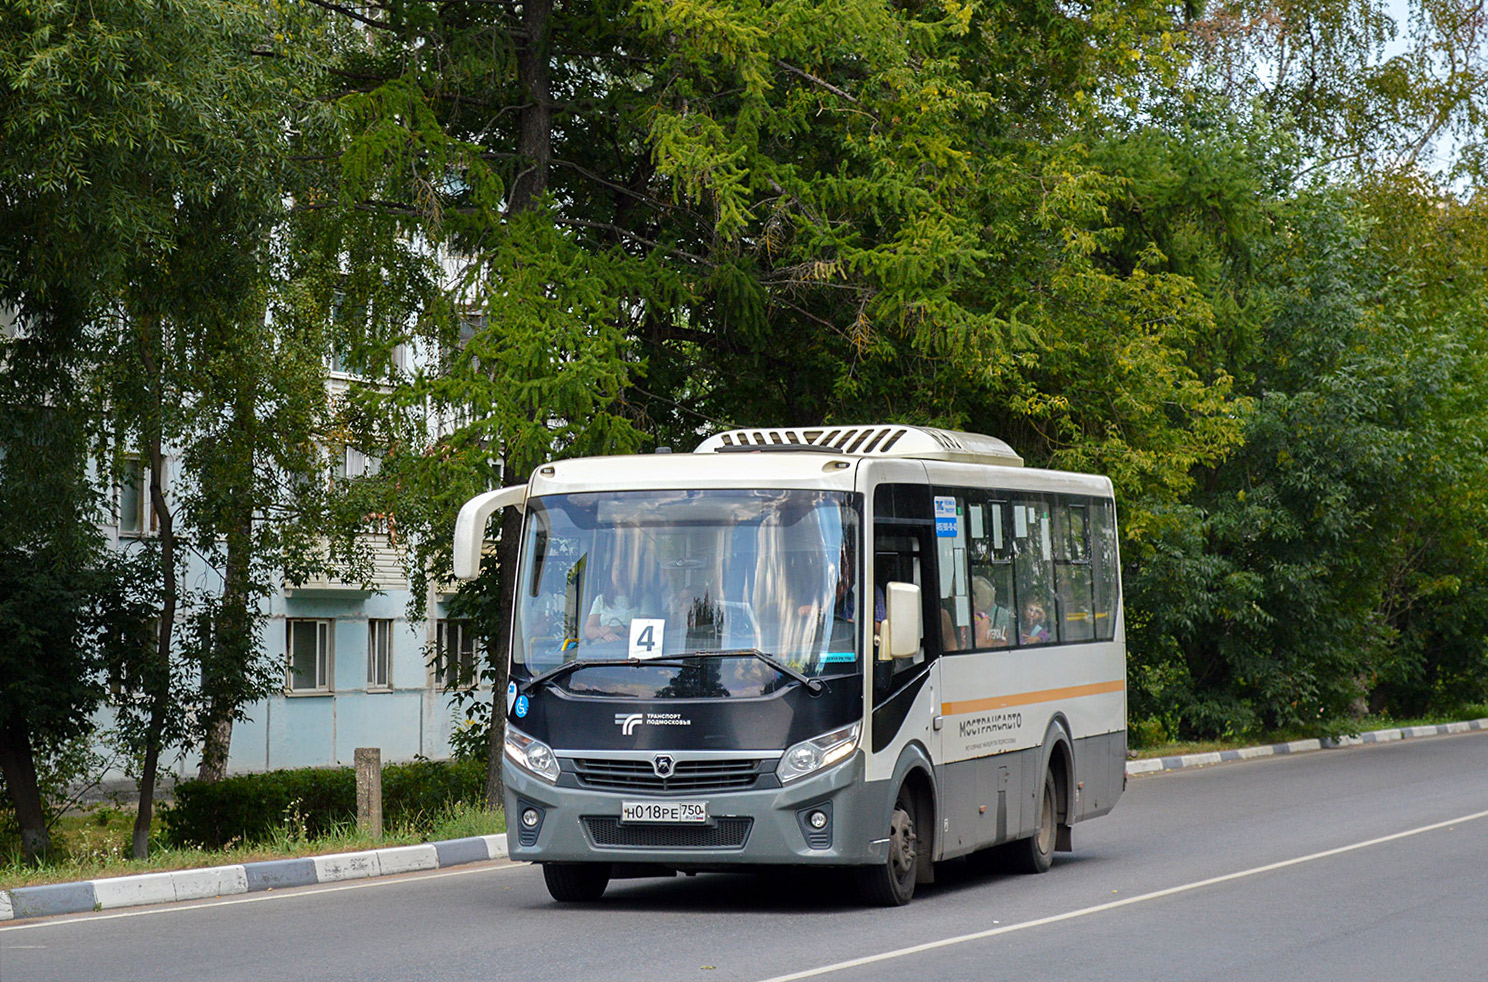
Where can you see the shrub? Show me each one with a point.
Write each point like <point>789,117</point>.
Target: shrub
<point>312,801</point>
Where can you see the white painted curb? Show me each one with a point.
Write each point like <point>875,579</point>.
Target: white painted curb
<point>1153,765</point>
<point>134,891</point>
<point>346,866</point>
<point>6,913</point>
<point>407,859</point>
<point>204,884</point>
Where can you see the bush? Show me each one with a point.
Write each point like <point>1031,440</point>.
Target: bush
<point>312,801</point>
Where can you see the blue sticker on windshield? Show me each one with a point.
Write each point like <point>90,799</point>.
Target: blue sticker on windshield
<point>838,656</point>
<point>521,706</point>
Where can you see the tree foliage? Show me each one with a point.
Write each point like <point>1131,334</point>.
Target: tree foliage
<point>1229,254</point>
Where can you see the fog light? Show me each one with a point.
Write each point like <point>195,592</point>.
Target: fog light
<point>530,818</point>
<point>818,820</point>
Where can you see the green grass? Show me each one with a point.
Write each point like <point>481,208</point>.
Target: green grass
<point>95,844</point>
<point>1175,748</point>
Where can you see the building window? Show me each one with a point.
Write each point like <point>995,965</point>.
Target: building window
<point>308,643</point>
<point>379,653</point>
<point>136,515</point>
<point>139,640</point>
<point>454,654</point>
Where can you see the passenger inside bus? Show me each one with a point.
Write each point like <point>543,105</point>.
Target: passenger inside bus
<point>1034,629</point>
<point>846,605</point>
<point>950,638</point>
<point>611,613</point>
<point>992,621</point>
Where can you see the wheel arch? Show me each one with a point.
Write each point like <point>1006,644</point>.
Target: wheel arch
<point>915,770</point>
<point>1058,757</point>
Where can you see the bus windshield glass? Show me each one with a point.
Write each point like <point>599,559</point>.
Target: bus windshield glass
<point>701,582</point>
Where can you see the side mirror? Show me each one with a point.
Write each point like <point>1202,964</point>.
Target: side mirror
<point>899,635</point>
<point>470,525</point>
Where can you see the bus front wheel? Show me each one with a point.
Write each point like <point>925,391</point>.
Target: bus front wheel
<point>892,882</point>
<point>576,883</point>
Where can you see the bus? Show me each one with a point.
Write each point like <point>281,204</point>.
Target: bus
<point>878,647</point>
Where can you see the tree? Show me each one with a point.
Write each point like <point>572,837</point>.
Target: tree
<point>671,212</point>
<point>53,579</point>
<point>144,169</point>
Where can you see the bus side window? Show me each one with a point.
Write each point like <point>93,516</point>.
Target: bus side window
<point>896,559</point>
<point>904,525</point>
<point>1033,569</point>
<point>1072,573</point>
<point>951,531</point>
<point>994,618</point>
<point>1105,568</point>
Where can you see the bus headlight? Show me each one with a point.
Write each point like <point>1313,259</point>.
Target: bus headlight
<point>810,756</point>
<point>531,755</point>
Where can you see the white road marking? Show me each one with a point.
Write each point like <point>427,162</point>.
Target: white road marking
<point>1114,904</point>
<point>289,893</point>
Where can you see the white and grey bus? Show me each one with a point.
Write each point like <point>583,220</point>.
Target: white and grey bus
<point>877,646</point>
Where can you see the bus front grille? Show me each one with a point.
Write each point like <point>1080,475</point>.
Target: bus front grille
<point>689,777</point>
<point>724,833</point>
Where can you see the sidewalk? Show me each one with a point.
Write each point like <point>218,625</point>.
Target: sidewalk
<point>278,874</point>
<point>226,881</point>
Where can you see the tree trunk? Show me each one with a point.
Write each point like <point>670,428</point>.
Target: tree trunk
<point>18,766</point>
<point>158,677</point>
<point>535,132</point>
<point>231,647</point>
<point>535,148</point>
<point>506,564</point>
<point>215,747</point>
<point>234,640</point>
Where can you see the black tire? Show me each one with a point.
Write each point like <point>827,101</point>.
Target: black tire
<point>576,883</point>
<point>892,883</point>
<point>1036,853</point>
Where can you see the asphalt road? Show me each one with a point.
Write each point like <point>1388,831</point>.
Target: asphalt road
<point>1364,863</point>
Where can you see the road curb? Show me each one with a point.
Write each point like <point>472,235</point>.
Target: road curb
<point>223,881</point>
<point>1155,765</point>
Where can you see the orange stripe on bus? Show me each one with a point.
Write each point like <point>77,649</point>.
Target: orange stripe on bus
<point>1029,698</point>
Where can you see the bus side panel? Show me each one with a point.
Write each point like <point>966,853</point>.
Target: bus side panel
<point>999,701</point>
<point>982,802</point>
<point>997,707</point>
<point>1100,765</point>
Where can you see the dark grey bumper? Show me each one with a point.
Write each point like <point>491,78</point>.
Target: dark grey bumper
<point>776,833</point>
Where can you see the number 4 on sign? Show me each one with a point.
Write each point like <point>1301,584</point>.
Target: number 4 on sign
<point>645,637</point>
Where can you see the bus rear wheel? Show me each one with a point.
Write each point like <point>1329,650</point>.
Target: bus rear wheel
<point>892,882</point>
<point>576,883</point>
<point>1036,854</point>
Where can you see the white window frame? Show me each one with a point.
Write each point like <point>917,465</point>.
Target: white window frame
<point>379,653</point>
<point>464,643</point>
<point>325,634</point>
<point>136,477</point>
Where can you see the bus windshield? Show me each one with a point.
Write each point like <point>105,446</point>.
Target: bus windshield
<point>688,577</point>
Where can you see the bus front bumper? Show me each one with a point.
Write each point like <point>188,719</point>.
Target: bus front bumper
<point>765,827</point>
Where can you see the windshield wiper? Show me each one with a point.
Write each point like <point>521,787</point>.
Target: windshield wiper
<point>573,666</point>
<point>558,671</point>
<point>814,686</point>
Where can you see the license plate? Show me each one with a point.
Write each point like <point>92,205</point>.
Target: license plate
<point>683,812</point>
